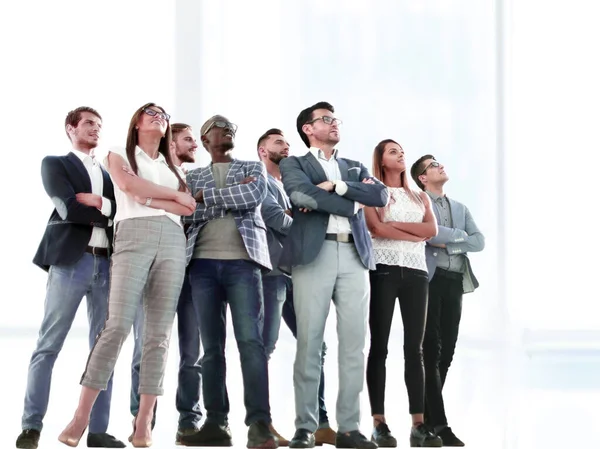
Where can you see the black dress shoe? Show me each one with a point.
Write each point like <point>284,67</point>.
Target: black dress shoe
<point>103,440</point>
<point>448,438</point>
<point>28,439</point>
<point>303,438</point>
<point>210,434</point>
<point>383,437</point>
<point>259,435</point>
<point>353,439</point>
<point>422,436</point>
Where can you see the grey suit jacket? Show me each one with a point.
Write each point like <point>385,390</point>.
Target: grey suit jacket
<point>278,222</point>
<point>300,177</point>
<point>462,238</point>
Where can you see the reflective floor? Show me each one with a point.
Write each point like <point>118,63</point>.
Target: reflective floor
<point>495,398</point>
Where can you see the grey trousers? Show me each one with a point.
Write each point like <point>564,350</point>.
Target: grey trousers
<point>336,273</point>
<point>148,265</point>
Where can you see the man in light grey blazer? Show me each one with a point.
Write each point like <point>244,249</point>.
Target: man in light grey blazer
<point>330,252</point>
<point>450,276</point>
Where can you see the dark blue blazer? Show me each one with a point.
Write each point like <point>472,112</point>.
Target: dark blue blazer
<point>300,176</point>
<point>70,226</point>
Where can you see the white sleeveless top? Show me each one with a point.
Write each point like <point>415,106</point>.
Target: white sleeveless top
<point>401,252</point>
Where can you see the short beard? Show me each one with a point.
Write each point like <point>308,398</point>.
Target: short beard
<point>276,158</point>
<point>185,157</point>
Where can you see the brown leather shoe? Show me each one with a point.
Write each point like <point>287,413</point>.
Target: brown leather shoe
<point>325,435</point>
<point>282,441</point>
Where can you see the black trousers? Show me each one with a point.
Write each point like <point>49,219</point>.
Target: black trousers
<point>441,332</point>
<point>410,287</point>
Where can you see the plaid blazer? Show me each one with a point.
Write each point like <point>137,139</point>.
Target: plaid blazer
<point>243,200</point>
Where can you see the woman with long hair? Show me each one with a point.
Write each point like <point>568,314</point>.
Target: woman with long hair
<point>148,265</point>
<point>399,232</point>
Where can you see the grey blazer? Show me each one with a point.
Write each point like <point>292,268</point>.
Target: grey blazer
<point>462,238</point>
<point>300,177</point>
<point>278,222</point>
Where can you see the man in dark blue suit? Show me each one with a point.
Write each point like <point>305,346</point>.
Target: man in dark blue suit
<point>75,251</point>
<point>330,252</point>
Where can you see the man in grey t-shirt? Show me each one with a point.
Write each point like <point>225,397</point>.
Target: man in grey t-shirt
<point>227,252</point>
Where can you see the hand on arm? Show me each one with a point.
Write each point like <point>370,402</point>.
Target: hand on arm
<point>133,185</point>
<point>60,190</point>
<point>427,228</point>
<point>385,230</point>
<point>368,191</point>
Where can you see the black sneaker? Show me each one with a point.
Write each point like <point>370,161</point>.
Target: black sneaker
<point>448,438</point>
<point>183,432</point>
<point>210,434</point>
<point>382,436</point>
<point>259,435</point>
<point>422,436</point>
<point>353,439</point>
<point>28,439</point>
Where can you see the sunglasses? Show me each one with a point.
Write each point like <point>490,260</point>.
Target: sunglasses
<point>153,113</point>
<point>433,164</point>
<point>221,124</point>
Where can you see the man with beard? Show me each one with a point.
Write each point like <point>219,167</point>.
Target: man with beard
<point>277,285</point>
<point>187,401</point>
<point>75,252</point>
<point>227,251</point>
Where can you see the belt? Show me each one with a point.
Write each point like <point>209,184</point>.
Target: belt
<point>448,274</point>
<point>343,238</point>
<point>97,251</point>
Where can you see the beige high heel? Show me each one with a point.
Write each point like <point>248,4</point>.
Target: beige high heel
<point>144,442</point>
<point>70,441</point>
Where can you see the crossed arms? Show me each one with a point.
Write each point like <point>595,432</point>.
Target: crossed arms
<point>458,241</point>
<point>77,208</point>
<point>306,195</point>
<point>397,230</point>
<point>212,202</point>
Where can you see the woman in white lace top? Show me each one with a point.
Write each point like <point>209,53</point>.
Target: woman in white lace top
<point>399,232</point>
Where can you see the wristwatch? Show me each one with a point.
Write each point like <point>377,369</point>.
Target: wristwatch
<point>334,185</point>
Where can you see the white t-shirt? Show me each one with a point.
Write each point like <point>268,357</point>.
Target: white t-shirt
<point>153,170</point>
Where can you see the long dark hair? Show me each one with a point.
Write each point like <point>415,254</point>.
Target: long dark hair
<point>378,171</point>
<point>163,147</point>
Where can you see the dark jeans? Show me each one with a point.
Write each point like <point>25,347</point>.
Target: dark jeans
<point>410,287</point>
<point>187,399</point>
<point>279,303</point>
<point>443,320</point>
<point>216,283</point>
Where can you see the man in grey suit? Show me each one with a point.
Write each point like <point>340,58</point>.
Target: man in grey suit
<point>272,148</point>
<point>450,276</point>
<point>330,252</point>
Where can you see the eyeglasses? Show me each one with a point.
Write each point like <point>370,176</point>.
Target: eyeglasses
<point>327,120</point>
<point>153,113</point>
<point>221,124</point>
<point>433,164</point>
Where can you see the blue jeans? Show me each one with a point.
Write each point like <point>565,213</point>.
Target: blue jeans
<point>279,303</point>
<point>66,287</point>
<point>215,283</point>
<point>187,399</point>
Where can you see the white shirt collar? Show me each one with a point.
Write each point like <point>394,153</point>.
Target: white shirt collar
<point>318,153</point>
<point>82,156</point>
<point>159,158</point>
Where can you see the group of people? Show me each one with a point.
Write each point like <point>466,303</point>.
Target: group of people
<point>145,241</point>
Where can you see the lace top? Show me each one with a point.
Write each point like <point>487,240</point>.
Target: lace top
<point>401,252</point>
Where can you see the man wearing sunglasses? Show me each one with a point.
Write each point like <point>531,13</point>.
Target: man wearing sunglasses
<point>330,253</point>
<point>450,276</point>
<point>227,251</point>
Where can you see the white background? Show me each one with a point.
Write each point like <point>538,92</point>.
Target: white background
<point>504,94</point>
